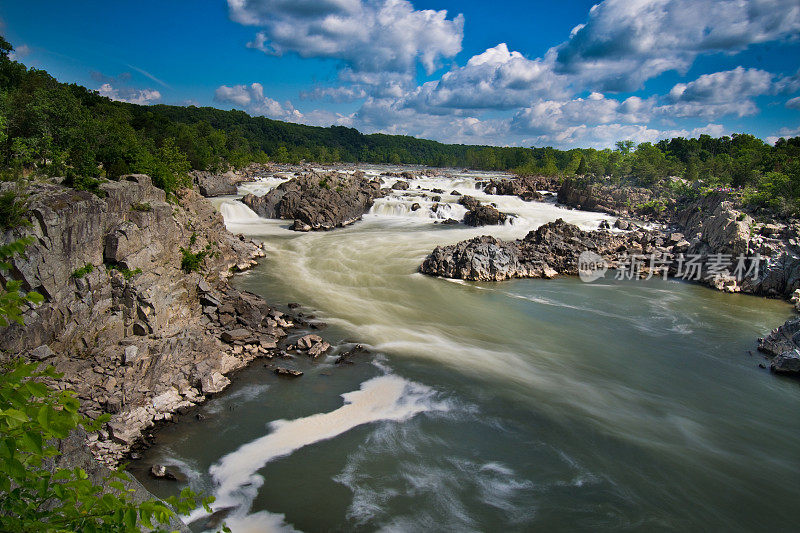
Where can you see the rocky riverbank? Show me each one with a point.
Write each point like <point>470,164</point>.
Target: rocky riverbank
<point>711,229</point>
<point>138,317</point>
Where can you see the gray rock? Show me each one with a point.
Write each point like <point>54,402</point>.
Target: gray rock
<point>41,353</point>
<point>288,372</point>
<point>786,363</point>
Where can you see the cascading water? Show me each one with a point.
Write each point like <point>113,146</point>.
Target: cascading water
<point>521,405</point>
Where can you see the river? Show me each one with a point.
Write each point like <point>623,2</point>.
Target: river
<point>551,405</point>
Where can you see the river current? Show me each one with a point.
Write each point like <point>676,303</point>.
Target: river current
<point>551,405</point>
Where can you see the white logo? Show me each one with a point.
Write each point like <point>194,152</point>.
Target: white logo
<point>591,266</point>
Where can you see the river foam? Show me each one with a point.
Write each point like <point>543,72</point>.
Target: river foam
<point>383,398</point>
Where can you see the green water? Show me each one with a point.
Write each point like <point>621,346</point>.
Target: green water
<point>522,405</point>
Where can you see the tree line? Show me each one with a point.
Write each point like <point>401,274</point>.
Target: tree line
<point>58,129</point>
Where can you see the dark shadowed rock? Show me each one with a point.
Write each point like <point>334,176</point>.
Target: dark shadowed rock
<point>469,202</point>
<point>484,215</point>
<point>400,185</point>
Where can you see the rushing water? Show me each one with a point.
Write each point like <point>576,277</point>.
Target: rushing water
<point>520,405</point>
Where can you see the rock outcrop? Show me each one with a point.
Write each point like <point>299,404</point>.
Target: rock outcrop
<point>318,201</point>
<point>134,334</point>
<point>526,187</point>
<point>545,252</point>
<point>484,215</point>
<point>783,346</point>
<point>212,184</point>
<point>611,199</point>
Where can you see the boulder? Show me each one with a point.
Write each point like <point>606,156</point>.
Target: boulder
<point>288,372</point>
<point>318,201</point>
<point>214,383</point>
<point>400,185</point>
<point>211,184</point>
<point>786,363</point>
<point>484,215</point>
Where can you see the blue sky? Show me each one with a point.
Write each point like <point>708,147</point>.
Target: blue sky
<point>538,73</point>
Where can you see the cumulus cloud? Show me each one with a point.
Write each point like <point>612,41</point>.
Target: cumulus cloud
<point>368,36</point>
<point>19,52</point>
<point>625,42</point>
<point>254,101</point>
<point>786,133</point>
<point>496,79</point>
<point>252,98</point>
<point>388,116</point>
<point>718,94</point>
<point>130,95</point>
<point>551,116</point>
<point>605,135</point>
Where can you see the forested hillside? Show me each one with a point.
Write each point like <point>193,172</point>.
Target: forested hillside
<point>57,129</point>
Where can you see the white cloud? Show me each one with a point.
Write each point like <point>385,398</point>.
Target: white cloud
<point>19,52</point>
<point>496,79</point>
<point>252,99</point>
<point>786,133</point>
<point>605,135</point>
<point>549,117</point>
<point>625,42</point>
<point>718,94</point>
<point>367,35</point>
<point>130,95</point>
<point>388,116</point>
<point>794,103</point>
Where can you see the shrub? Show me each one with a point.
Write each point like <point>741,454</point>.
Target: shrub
<point>82,271</point>
<point>13,211</point>
<point>142,206</point>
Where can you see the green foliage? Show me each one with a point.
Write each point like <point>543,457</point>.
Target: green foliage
<point>51,128</point>
<point>33,418</point>
<point>12,295</point>
<point>323,183</point>
<point>13,211</point>
<point>142,206</point>
<point>82,271</point>
<point>126,272</point>
<point>654,206</point>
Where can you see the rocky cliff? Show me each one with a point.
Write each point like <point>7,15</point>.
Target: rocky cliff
<point>134,330</point>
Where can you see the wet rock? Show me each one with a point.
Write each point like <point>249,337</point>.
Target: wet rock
<point>307,341</point>
<point>346,357</point>
<point>318,201</point>
<point>400,185</point>
<point>786,363</point>
<point>415,206</point>
<point>484,215</point>
<point>160,472</point>
<point>288,372</point>
<point>293,305</point>
<point>469,202</point>
<point>318,349</point>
